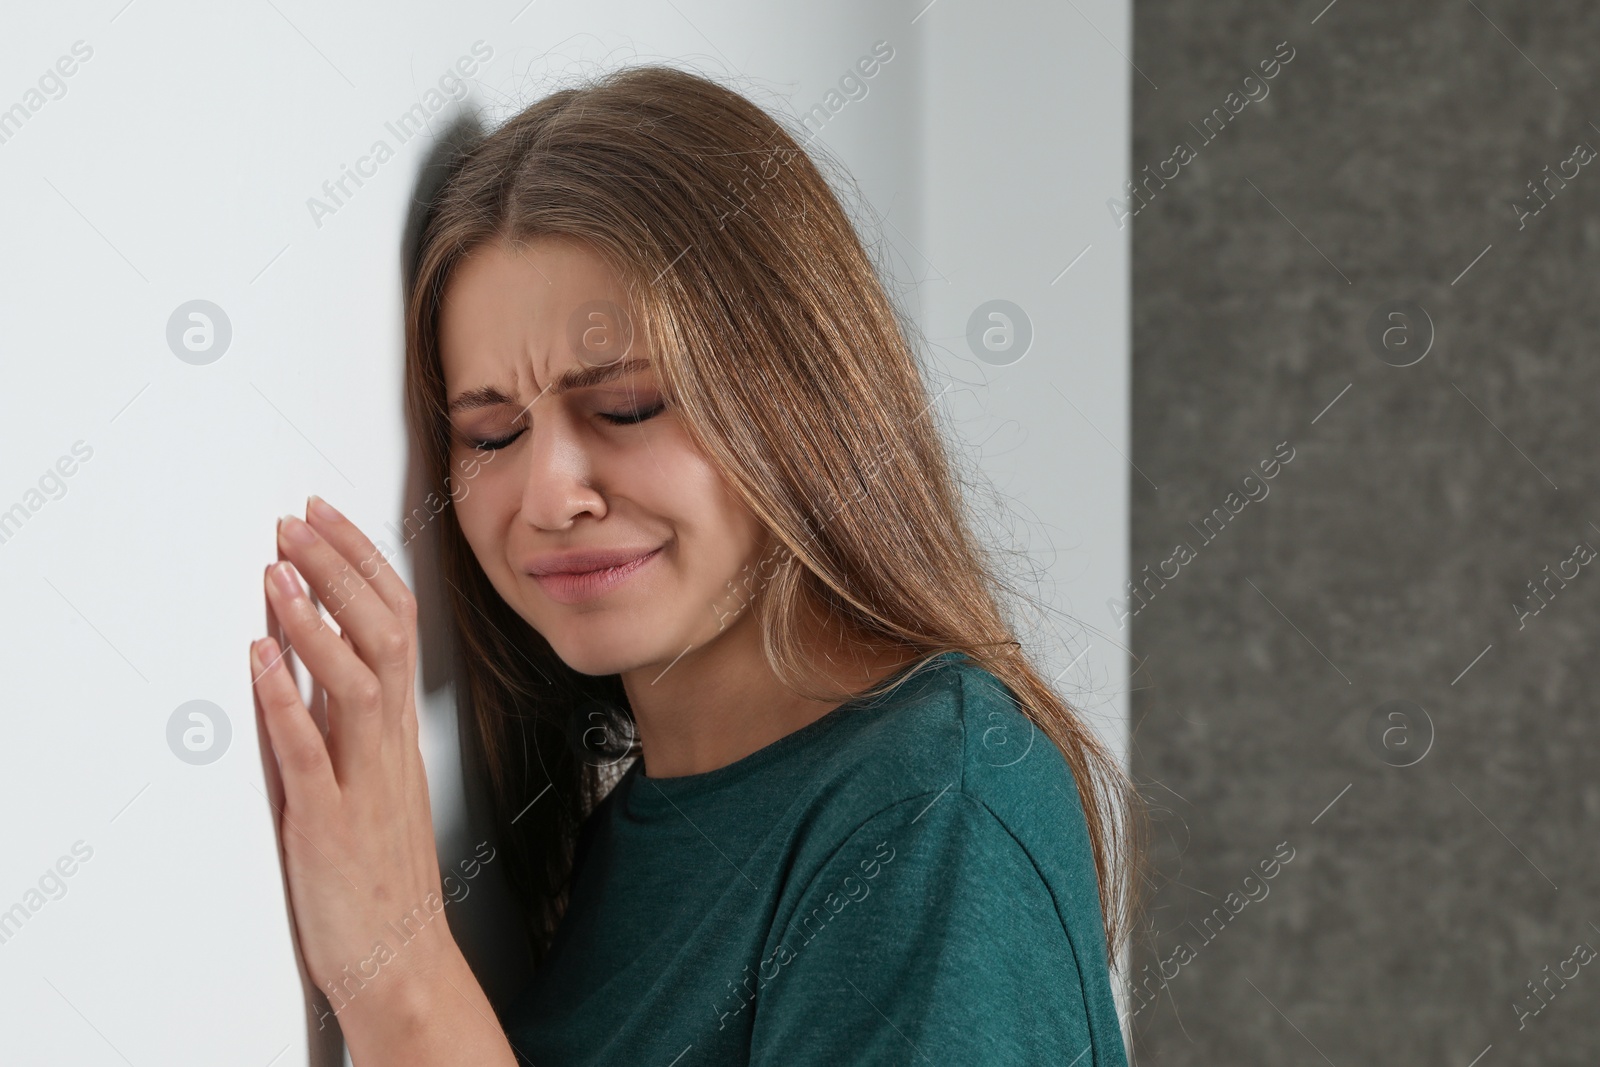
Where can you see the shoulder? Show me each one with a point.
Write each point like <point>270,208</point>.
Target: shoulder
<point>950,741</point>
<point>944,877</point>
<point>950,727</point>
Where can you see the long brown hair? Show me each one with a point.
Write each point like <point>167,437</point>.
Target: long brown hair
<point>792,371</point>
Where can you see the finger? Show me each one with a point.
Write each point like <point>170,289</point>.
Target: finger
<point>373,566</point>
<point>302,756</point>
<point>370,564</point>
<point>355,694</point>
<point>384,641</point>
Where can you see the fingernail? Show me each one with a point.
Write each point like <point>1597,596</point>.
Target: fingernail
<point>321,508</point>
<point>296,530</point>
<point>264,655</point>
<point>283,574</point>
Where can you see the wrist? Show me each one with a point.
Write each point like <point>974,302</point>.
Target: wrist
<point>433,1013</point>
<point>395,992</point>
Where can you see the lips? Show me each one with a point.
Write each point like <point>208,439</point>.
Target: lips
<point>571,578</point>
<point>580,562</point>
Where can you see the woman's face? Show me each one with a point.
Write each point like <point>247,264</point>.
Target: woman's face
<point>591,476</point>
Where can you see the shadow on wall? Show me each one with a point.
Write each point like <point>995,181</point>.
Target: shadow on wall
<point>501,963</point>
<point>500,960</point>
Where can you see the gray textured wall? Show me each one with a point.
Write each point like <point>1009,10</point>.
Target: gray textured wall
<point>1442,851</point>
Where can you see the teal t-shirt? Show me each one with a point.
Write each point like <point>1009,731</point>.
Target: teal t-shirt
<point>903,881</point>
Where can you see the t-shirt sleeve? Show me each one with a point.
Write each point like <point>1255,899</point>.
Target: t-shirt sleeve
<point>928,938</point>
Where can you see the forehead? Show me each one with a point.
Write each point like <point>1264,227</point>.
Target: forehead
<point>511,310</point>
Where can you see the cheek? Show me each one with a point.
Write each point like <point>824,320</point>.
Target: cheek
<point>674,480</point>
<point>478,503</point>
<point>730,536</point>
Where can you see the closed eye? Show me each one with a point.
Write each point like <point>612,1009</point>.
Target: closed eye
<point>620,418</point>
<point>630,417</point>
<point>497,444</point>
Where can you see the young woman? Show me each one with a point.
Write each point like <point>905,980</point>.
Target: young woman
<point>694,509</point>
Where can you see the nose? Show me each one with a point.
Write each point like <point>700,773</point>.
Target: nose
<point>558,484</point>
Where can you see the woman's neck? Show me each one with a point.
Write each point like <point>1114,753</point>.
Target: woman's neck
<point>721,701</point>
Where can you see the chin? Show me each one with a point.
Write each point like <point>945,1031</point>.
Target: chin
<point>597,650</point>
<point>595,662</point>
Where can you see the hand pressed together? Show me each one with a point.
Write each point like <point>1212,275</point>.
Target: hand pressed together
<point>356,826</point>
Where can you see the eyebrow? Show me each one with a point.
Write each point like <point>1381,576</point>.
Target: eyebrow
<point>581,378</point>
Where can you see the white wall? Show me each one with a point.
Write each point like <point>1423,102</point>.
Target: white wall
<point>175,164</point>
<point>1026,109</point>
